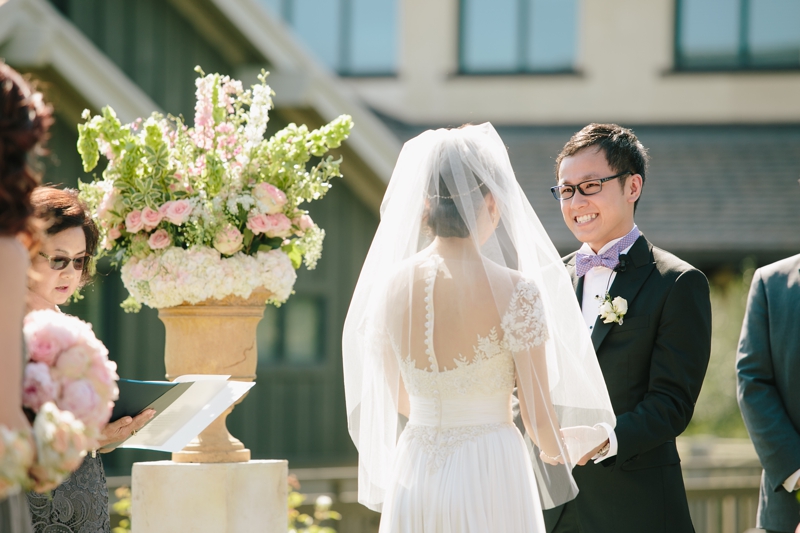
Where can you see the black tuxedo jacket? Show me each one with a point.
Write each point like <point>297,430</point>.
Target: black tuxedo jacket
<point>653,365</point>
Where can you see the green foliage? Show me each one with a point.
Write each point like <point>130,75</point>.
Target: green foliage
<point>122,507</point>
<point>717,412</point>
<point>309,523</point>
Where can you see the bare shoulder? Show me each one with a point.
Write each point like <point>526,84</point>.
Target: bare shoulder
<point>13,258</point>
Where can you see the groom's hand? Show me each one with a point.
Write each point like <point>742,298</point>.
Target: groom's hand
<point>588,457</point>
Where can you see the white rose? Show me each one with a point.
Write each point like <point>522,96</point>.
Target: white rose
<point>606,308</point>
<point>620,305</point>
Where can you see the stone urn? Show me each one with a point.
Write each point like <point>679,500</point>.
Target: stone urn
<point>214,337</point>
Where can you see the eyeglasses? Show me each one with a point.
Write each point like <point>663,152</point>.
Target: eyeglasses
<point>586,188</point>
<point>59,262</point>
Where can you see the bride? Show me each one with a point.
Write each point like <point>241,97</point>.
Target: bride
<point>462,298</point>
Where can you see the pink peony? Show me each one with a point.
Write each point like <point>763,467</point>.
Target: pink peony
<point>176,211</point>
<point>79,398</point>
<point>159,239</point>
<point>133,222</point>
<point>74,363</point>
<point>38,386</point>
<point>278,226</point>
<point>272,198</point>
<point>103,375</point>
<point>43,346</point>
<point>228,240</point>
<point>258,224</point>
<point>150,218</point>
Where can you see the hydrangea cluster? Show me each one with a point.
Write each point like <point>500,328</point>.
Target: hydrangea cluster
<point>219,186</point>
<point>176,275</point>
<point>69,367</point>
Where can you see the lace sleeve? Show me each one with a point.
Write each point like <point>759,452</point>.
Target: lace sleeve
<point>524,325</point>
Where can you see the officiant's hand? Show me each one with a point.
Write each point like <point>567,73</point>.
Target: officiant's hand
<point>123,428</point>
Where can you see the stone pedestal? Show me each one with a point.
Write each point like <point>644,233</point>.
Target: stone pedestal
<point>247,497</point>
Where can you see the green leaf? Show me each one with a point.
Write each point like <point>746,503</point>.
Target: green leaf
<point>294,254</point>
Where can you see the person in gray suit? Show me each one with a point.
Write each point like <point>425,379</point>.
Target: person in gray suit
<point>768,366</point>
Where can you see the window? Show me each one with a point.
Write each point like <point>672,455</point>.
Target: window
<point>518,36</point>
<point>352,37</point>
<point>292,333</point>
<point>737,34</point>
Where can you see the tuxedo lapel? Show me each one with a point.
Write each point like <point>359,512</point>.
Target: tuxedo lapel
<point>577,283</point>
<point>627,284</point>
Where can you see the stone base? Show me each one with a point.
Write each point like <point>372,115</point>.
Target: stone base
<point>209,498</point>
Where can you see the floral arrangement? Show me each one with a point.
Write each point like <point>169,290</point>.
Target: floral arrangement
<point>612,310</point>
<point>69,367</point>
<point>16,457</point>
<point>212,210</point>
<point>43,462</point>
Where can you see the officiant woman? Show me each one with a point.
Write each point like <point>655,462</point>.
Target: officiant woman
<point>64,264</point>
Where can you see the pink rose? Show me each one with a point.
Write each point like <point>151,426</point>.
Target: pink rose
<point>258,224</point>
<point>133,222</point>
<point>74,363</point>
<point>303,223</point>
<point>158,240</point>
<point>79,398</point>
<point>278,226</point>
<point>271,198</point>
<point>176,211</point>
<point>228,240</point>
<point>114,233</point>
<point>150,218</point>
<point>38,386</point>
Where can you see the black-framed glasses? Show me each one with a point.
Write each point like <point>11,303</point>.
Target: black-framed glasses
<point>586,188</point>
<point>59,262</point>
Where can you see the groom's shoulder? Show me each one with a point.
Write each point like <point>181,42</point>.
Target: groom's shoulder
<point>672,267</point>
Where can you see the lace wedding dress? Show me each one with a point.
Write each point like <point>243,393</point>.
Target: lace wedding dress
<point>461,465</point>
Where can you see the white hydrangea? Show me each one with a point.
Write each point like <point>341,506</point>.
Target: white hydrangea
<point>178,276</point>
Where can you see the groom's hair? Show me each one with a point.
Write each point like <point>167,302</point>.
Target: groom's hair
<point>622,149</point>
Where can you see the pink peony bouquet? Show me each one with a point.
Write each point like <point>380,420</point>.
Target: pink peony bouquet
<point>69,367</point>
<point>16,458</point>
<point>61,445</point>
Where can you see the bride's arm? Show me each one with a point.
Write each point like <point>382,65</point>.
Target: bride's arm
<point>534,393</point>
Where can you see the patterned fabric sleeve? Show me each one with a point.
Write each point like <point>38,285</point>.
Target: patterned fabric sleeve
<point>524,325</point>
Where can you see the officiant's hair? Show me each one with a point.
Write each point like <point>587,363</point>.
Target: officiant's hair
<point>62,209</point>
<point>622,149</point>
<point>25,119</point>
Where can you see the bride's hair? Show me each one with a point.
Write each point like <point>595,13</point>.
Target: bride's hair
<point>442,212</point>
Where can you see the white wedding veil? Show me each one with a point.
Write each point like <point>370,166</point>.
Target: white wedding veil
<point>453,197</point>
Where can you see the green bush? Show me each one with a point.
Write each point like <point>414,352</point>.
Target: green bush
<point>717,412</point>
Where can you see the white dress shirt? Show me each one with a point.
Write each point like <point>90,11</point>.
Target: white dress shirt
<point>596,283</point>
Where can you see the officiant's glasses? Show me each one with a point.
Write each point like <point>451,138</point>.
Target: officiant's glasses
<point>586,188</point>
<point>59,262</point>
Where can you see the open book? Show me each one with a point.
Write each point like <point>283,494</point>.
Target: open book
<point>184,408</point>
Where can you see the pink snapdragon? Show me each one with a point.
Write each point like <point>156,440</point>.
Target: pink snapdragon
<point>176,211</point>
<point>134,222</point>
<point>271,198</point>
<point>150,218</point>
<point>159,239</point>
<point>228,240</point>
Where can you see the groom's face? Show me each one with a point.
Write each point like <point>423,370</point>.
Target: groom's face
<point>601,217</point>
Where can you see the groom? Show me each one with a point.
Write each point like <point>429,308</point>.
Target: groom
<point>653,347</point>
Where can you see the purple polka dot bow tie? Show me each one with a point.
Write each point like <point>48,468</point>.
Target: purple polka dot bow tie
<point>608,259</point>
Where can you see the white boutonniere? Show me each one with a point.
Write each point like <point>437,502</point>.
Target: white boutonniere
<point>612,310</point>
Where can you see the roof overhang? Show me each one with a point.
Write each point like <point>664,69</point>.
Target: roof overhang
<point>35,37</point>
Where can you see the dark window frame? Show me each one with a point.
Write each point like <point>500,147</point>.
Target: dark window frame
<point>280,359</point>
<point>523,37</point>
<point>744,60</point>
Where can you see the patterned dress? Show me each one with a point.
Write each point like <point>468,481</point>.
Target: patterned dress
<point>79,505</point>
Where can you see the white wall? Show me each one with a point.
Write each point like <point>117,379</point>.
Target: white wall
<point>624,75</point>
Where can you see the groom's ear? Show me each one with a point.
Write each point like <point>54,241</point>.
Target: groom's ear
<point>633,188</point>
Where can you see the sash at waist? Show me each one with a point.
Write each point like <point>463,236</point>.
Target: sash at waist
<point>454,412</point>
